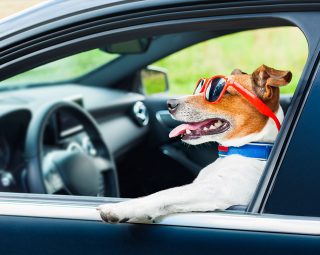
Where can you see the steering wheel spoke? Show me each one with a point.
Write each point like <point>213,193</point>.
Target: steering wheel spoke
<point>75,172</point>
<point>102,164</point>
<point>53,180</point>
<point>53,183</point>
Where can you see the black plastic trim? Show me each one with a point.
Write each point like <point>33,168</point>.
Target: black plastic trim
<point>295,109</point>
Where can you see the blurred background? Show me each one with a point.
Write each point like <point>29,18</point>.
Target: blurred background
<point>282,48</point>
<point>9,7</point>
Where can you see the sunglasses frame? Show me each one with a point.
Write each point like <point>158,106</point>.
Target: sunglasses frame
<point>251,97</point>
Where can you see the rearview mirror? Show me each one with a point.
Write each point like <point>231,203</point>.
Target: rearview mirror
<point>135,46</point>
<point>154,80</point>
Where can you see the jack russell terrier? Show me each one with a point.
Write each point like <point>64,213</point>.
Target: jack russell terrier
<point>241,112</point>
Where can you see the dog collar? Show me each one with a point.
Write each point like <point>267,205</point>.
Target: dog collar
<point>260,151</point>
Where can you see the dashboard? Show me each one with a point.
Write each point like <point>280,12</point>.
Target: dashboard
<point>118,114</point>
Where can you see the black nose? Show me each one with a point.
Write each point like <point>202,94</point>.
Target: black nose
<point>172,104</point>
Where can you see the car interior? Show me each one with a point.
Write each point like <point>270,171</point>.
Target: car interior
<point>105,131</point>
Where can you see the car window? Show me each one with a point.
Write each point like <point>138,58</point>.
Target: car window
<point>245,50</point>
<point>61,70</point>
<point>282,48</point>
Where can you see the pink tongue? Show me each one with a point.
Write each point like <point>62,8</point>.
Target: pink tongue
<point>182,128</point>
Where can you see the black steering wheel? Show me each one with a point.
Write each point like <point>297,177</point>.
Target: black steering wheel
<point>71,171</point>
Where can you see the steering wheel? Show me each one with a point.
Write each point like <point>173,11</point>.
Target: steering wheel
<point>74,172</point>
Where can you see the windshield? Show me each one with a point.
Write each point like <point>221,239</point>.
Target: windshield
<point>61,70</point>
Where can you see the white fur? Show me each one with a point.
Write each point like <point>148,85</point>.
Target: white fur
<point>227,181</point>
<point>267,134</point>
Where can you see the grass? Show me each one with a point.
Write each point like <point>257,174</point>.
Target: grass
<point>63,69</point>
<point>281,48</point>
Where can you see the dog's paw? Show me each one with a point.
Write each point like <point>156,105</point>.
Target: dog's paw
<point>123,212</point>
<point>109,213</point>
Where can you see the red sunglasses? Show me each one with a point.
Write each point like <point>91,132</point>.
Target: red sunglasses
<point>214,88</point>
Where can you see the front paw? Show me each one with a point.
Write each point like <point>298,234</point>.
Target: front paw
<point>124,212</point>
<point>110,213</point>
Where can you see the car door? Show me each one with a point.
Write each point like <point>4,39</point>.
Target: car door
<point>34,224</point>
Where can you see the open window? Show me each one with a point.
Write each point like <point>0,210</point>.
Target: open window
<point>110,85</point>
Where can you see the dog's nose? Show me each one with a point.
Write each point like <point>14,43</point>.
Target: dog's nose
<point>172,105</point>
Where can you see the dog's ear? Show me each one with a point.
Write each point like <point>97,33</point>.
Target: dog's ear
<point>266,78</point>
<point>237,72</point>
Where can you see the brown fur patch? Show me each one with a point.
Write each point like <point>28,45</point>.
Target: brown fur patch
<point>246,119</point>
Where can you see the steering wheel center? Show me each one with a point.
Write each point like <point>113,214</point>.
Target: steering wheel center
<point>72,170</point>
<point>77,170</point>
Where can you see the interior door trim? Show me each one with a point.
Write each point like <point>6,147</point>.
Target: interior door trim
<point>217,220</point>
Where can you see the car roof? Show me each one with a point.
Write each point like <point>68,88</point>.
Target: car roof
<point>53,14</point>
<point>49,11</point>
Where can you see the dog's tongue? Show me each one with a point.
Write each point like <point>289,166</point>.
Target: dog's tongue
<point>183,127</point>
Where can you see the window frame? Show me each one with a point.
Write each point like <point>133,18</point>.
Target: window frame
<point>305,183</point>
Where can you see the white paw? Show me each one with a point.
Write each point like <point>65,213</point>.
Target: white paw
<point>124,212</point>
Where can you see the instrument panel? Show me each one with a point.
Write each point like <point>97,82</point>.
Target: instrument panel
<point>112,110</point>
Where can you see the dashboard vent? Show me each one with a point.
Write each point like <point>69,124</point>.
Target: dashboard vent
<point>140,113</point>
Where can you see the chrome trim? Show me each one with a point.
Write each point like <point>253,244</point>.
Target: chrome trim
<point>246,222</point>
<point>141,113</point>
<point>71,130</point>
<point>217,220</point>
<point>49,211</point>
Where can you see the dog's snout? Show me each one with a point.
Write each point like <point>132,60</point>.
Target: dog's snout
<point>172,105</point>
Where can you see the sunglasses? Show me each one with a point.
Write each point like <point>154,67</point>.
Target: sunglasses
<point>214,88</point>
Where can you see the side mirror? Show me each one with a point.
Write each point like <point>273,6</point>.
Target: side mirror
<point>154,80</point>
<point>136,46</point>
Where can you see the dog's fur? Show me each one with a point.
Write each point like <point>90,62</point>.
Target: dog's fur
<point>227,181</point>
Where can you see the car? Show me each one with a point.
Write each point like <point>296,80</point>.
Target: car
<point>74,137</point>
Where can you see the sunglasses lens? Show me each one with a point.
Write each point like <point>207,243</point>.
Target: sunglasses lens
<point>214,89</point>
<point>199,86</point>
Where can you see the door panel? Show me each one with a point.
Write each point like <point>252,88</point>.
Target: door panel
<point>27,235</point>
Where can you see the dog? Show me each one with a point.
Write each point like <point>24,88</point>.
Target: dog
<point>235,123</point>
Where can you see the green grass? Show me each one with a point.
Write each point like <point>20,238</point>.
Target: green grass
<point>63,69</point>
<point>282,48</point>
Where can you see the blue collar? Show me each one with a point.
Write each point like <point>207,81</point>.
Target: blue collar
<point>255,150</point>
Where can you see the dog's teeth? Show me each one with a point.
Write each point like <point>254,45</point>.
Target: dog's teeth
<point>188,131</point>
<point>212,127</point>
<point>218,124</point>
<point>205,128</point>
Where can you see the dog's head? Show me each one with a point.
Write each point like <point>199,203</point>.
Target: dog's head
<point>234,120</point>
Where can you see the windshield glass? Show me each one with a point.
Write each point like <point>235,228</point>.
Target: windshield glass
<point>61,70</point>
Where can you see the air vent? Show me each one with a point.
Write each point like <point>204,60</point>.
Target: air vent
<point>140,113</point>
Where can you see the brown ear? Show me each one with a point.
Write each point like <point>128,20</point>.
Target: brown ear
<point>237,72</point>
<point>265,78</point>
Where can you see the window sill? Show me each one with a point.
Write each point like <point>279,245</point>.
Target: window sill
<point>84,208</point>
